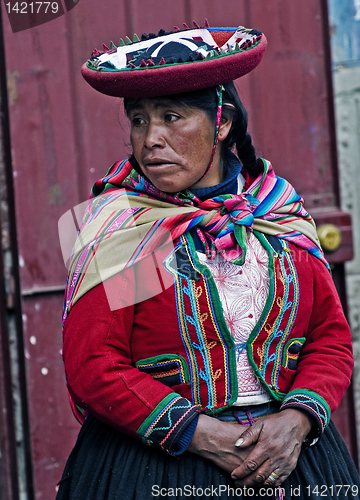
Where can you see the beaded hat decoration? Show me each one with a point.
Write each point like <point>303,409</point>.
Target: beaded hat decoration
<point>174,62</point>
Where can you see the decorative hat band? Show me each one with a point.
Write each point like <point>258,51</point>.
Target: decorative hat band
<point>178,61</point>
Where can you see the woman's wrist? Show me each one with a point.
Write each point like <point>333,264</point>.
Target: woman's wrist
<point>210,433</point>
<point>306,422</point>
<point>200,441</point>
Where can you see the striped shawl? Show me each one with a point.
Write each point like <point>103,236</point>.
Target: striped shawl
<point>127,219</point>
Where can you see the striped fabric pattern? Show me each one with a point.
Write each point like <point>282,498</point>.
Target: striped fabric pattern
<point>124,200</point>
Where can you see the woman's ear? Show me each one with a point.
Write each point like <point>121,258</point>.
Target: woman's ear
<point>224,129</point>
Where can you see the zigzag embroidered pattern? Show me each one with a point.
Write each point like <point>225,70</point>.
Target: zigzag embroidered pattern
<point>310,403</point>
<point>191,327</point>
<point>164,421</point>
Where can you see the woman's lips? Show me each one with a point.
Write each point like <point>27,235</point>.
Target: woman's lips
<point>158,165</point>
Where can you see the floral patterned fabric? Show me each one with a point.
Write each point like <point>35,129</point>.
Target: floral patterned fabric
<point>243,291</point>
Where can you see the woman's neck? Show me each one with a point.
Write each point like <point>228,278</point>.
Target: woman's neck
<point>227,185</point>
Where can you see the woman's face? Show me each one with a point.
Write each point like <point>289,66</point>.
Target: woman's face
<point>173,144</point>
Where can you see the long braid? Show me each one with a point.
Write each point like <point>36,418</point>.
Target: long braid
<point>247,155</point>
<point>238,135</point>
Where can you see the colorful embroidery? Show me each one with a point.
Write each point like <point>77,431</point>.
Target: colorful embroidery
<point>192,326</point>
<point>243,291</point>
<point>278,316</point>
<point>289,305</point>
<point>170,369</point>
<point>166,421</point>
<point>291,352</point>
<point>310,401</point>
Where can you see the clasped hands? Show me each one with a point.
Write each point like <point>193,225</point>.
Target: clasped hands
<point>251,455</point>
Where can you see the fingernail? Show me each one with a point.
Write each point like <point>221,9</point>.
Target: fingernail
<point>239,442</point>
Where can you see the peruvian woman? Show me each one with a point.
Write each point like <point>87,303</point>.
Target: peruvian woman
<point>205,346</point>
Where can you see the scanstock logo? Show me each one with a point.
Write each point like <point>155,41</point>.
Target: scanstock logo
<point>30,13</point>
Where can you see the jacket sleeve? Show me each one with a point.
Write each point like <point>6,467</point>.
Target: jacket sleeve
<point>325,362</point>
<point>101,377</point>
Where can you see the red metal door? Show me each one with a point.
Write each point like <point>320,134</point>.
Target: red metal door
<point>64,136</point>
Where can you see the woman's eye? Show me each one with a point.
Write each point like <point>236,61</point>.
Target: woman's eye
<point>170,117</point>
<point>137,121</point>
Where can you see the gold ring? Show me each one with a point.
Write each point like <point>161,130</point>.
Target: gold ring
<point>273,477</point>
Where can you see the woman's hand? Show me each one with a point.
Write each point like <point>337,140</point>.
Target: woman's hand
<point>277,439</point>
<point>215,440</point>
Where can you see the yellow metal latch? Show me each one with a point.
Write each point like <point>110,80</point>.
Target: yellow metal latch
<point>329,236</point>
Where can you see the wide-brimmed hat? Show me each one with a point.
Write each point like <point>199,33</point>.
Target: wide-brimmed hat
<point>174,62</point>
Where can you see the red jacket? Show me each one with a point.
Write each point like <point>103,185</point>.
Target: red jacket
<point>149,349</point>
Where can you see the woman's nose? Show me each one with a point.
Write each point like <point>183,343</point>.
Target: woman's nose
<point>154,136</point>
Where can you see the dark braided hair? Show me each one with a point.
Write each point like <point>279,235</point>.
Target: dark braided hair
<point>238,135</point>
<point>207,101</point>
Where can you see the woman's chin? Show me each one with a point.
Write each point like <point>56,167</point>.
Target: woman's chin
<point>168,185</point>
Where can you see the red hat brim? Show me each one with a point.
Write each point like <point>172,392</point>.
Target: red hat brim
<point>175,78</point>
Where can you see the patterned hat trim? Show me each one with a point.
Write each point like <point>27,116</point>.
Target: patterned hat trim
<point>170,49</point>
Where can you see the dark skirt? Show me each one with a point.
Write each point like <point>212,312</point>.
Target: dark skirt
<point>108,465</point>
